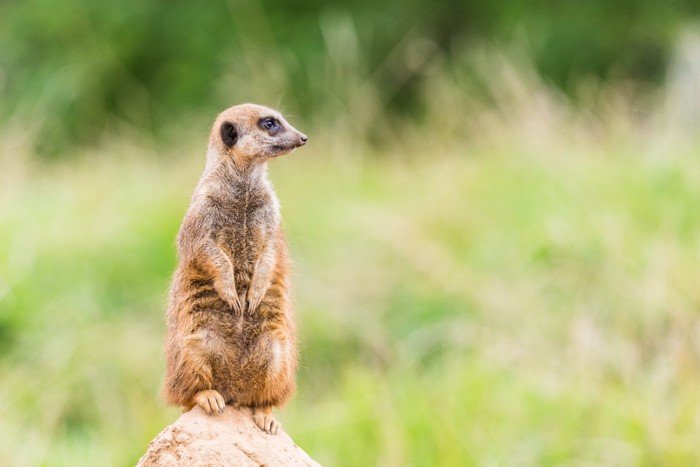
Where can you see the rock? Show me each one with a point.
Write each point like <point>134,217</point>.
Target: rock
<point>227,439</point>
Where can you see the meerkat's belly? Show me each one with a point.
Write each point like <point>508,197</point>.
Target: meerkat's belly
<point>251,219</point>
<point>257,367</point>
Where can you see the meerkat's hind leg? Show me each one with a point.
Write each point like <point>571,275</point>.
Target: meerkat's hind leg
<point>210,400</point>
<point>265,420</point>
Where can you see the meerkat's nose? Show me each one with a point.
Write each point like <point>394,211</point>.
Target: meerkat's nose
<point>303,139</point>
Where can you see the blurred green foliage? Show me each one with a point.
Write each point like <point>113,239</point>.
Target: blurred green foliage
<point>70,68</point>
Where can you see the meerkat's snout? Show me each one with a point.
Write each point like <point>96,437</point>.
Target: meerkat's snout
<point>300,139</point>
<point>286,141</point>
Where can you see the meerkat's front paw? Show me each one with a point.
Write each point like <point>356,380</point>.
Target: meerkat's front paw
<point>231,298</point>
<point>265,420</point>
<point>211,401</point>
<point>253,301</point>
<point>253,305</point>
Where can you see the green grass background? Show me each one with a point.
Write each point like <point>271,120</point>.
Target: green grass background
<point>480,301</point>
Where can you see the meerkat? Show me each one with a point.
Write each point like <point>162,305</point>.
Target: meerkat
<point>231,336</point>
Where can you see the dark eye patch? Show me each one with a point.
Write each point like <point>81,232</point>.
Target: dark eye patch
<point>270,124</point>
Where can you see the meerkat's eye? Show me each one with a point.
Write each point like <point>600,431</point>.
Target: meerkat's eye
<point>270,124</point>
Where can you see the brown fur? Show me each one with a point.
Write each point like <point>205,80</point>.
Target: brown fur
<point>231,334</point>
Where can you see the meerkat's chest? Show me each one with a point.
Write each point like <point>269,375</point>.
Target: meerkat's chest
<point>250,208</point>
<point>248,219</point>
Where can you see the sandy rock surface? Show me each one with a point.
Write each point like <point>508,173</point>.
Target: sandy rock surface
<point>227,439</point>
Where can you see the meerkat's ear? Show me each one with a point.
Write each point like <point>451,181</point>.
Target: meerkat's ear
<point>229,135</point>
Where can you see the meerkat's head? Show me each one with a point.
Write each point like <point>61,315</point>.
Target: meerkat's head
<point>249,133</point>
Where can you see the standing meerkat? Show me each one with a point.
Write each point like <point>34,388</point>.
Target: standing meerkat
<point>231,335</point>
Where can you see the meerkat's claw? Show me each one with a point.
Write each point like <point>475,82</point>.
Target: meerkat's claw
<point>236,305</point>
<point>252,300</point>
<point>253,305</point>
<point>211,401</point>
<point>265,420</point>
<point>230,297</point>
